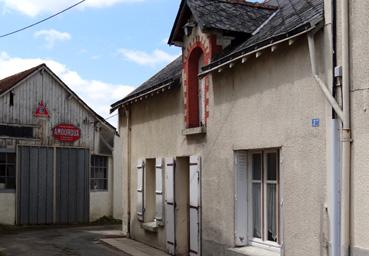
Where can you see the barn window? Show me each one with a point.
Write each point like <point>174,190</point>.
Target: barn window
<point>196,90</point>
<point>99,173</point>
<point>7,171</point>
<point>11,99</point>
<point>16,131</point>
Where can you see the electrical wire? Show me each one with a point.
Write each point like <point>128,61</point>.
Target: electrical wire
<point>43,20</point>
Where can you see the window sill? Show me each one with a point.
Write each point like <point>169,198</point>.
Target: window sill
<point>194,131</point>
<point>252,251</point>
<point>7,191</point>
<point>98,190</point>
<point>150,226</point>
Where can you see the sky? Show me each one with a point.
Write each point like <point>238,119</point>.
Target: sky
<point>102,49</point>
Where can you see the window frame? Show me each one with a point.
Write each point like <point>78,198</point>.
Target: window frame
<point>93,168</point>
<point>6,176</point>
<point>262,242</point>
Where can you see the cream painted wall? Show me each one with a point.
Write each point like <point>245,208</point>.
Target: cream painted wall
<point>101,202</point>
<point>267,102</point>
<point>359,21</point>
<point>117,178</point>
<point>7,209</point>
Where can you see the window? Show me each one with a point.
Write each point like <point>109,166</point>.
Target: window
<point>150,196</point>
<point>99,173</point>
<point>195,90</point>
<point>16,131</point>
<point>7,170</point>
<point>264,196</point>
<point>257,205</point>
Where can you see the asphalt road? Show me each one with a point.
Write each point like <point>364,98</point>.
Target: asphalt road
<point>51,241</point>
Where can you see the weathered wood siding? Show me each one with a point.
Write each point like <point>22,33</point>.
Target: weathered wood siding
<point>62,107</point>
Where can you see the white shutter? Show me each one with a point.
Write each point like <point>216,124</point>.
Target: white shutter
<point>241,198</point>
<point>195,225</point>
<point>170,205</point>
<point>140,190</point>
<point>159,198</point>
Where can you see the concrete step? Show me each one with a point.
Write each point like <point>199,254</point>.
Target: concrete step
<point>132,247</point>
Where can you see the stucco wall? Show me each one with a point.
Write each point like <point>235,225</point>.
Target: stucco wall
<point>360,122</point>
<point>101,201</point>
<point>117,178</point>
<point>267,102</point>
<point>7,209</point>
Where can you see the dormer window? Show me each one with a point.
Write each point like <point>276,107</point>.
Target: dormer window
<point>196,90</point>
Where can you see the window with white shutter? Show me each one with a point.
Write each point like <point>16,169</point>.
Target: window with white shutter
<point>159,191</point>
<point>257,198</point>
<point>140,190</point>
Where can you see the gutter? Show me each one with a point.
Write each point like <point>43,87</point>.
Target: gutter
<point>164,87</point>
<point>245,55</point>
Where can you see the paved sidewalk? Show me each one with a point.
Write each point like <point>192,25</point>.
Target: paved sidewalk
<point>132,247</point>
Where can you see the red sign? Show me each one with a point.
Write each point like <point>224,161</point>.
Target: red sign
<point>41,110</point>
<point>66,133</point>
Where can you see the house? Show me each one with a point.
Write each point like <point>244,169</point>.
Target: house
<point>243,145</point>
<point>56,153</point>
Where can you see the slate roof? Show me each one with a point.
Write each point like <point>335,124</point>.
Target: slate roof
<point>264,23</point>
<point>10,81</point>
<point>169,75</point>
<point>235,16</point>
<point>292,17</point>
<point>231,16</point>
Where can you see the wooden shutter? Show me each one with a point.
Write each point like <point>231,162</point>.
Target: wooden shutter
<point>159,198</point>
<point>170,205</point>
<point>195,212</point>
<point>241,198</point>
<point>140,190</point>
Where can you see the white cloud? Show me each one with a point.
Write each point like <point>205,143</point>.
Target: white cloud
<point>97,94</point>
<point>35,7</point>
<point>147,59</point>
<point>51,36</point>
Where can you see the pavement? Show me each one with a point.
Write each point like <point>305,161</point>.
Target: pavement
<point>60,241</point>
<point>132,247</point>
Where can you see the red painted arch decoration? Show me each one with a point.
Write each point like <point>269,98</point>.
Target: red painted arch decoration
<point>200,45</point>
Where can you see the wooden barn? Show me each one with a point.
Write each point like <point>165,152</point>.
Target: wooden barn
<point>56,153</point>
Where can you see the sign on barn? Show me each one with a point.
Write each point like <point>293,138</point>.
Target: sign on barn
<point>66,133</point>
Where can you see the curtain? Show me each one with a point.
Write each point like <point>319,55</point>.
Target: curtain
<point>256,201</point>
<point>272,212</point>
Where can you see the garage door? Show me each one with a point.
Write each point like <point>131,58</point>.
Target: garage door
<point>52,185</point>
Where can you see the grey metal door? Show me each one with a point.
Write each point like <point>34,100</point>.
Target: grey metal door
<point>52,185</point>
<point>72,189</point>
<point>35,186</point>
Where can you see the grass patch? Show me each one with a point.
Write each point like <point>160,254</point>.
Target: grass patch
<point>107,220</point>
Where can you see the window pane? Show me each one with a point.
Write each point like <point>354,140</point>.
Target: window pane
<point>11,171</point>
<point>10,183</point>
<point>2,170</point>
<point>256,166</point>
<point>11,158</point>
<point>256,209</point>
<point>272,212</point>
<point>2,158</point>
<point>272,166</point>
<point>93,185</point>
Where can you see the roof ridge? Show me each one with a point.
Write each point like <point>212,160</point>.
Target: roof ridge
<point>263,5</point>
<point>12,80</point>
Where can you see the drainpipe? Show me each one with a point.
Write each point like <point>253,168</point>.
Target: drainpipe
<point>346,131</point>
<point>334,173</point>
<point>128,166</point>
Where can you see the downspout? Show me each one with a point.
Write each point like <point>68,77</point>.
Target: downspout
<point>346,131</point>
<point>128,149</point>
<point>334,173</point>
